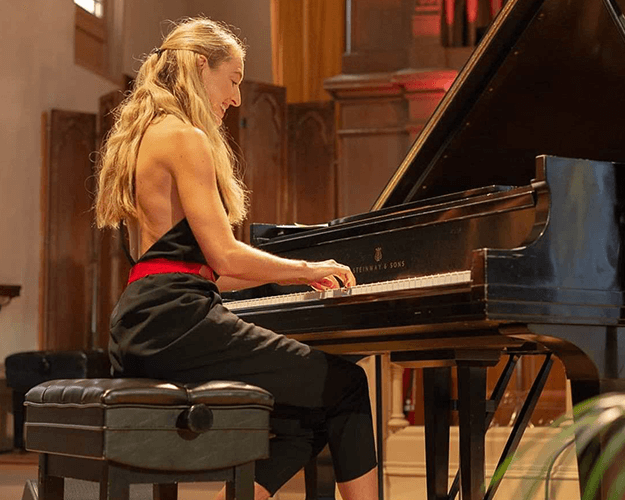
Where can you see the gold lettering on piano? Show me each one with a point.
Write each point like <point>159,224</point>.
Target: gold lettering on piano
<point>397,264</point>
<point>379,265</point>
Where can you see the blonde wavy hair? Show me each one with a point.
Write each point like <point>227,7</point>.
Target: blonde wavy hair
<point>169,82</point>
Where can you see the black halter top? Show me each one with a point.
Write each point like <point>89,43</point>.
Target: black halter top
<point>177,244</point>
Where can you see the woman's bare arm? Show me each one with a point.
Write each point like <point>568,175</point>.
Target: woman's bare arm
<point>187,156</point>
<point>228,284</point>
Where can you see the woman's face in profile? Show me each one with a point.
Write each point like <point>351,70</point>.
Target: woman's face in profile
<point>222,84</point>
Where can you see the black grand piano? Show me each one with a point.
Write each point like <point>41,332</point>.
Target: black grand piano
<point>501,232</point>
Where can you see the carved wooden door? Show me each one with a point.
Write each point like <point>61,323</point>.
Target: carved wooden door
<point>113,266</point>
<point>69,252</point>
<point>312,162</point>
<point>259,131</point>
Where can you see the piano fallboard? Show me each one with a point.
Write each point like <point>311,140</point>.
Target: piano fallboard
<point>433,238</point>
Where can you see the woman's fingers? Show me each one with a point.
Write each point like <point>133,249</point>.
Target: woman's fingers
<point>346,276</point>
<point>327,283</point>
<point>349,279</point>
<point>331,275</point>
<point>343,278</point>
<point>344,273</point>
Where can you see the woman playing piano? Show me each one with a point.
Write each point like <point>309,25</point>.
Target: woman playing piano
<point>167,173</point>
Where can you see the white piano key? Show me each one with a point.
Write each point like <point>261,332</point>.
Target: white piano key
<point>367,288</point>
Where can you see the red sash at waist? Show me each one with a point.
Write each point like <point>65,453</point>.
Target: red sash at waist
<point>162,266</point>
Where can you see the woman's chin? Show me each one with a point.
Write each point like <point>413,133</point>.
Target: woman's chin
<point>219,116</point>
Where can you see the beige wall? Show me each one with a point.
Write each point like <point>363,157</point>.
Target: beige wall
<point>37,73</point>
<point>252,18</point>
<point>146,22</point>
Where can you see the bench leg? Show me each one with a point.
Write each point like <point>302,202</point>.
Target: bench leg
<point>114,486</point>
<point>114,490</point>
<point>242,488</point>
<point>50,487</point>
<point>18,419</point>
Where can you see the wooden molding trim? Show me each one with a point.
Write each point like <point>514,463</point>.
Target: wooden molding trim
<point>372,131</point>
<point>425,81</point>
<point>366,85</point>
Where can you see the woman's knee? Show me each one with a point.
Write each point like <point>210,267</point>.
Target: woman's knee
<point>360,375</point>
<point>347,387</point>
<point>357,377</point>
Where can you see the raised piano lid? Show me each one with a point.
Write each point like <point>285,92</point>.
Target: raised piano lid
<point>547,78</point>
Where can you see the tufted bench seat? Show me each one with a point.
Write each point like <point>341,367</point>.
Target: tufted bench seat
<point>118,432</point>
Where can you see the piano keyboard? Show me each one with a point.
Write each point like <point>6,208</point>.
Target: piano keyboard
<point>434,280</point>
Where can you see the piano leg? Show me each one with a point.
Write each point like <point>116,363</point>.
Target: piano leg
<point>472,427</point>
<point>475,414</point>
<point>471,366</point>
<point>472,424</point>
<point>495,398</point>
<point>379,424</point>
<point>437,400</point>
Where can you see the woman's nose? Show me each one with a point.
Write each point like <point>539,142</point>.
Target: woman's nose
<point>236,98</point>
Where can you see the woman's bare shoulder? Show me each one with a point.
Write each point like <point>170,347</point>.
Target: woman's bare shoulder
<point>171,131</point>
<point>174,146</point>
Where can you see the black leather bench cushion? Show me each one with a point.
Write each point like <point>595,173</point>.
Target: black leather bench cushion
<point>150,424</point>
<point>110,392</point>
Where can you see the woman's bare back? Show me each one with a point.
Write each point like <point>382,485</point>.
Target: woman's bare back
<point>157,199</point>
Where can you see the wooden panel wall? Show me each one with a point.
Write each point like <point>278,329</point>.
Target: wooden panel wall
<point>259,132</point>
<point>378,36</point>
<point>373,137</point>
<point>287,155</point>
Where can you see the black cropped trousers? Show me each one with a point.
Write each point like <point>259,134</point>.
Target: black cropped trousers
<point>319,398</point>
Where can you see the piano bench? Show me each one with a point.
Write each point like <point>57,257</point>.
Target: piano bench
<point>118,432</point>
